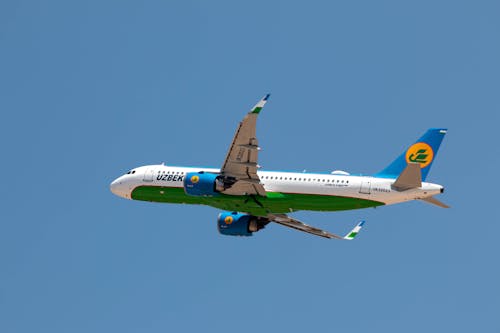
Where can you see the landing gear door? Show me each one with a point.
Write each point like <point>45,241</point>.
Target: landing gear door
<point>365,187</point>
<point>148,175</point>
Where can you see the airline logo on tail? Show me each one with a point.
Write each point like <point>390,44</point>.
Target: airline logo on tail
<point>421,153</point>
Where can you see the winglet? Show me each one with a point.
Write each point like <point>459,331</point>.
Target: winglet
<point>258,107</point>
<point>355,231</point>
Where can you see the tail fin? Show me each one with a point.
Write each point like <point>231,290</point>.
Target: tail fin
<point>423,151</point>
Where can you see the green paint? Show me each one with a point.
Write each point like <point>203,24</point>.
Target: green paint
<point>274,202</point>
<point>275,195</point>
<point>257,110</point>
<point>352,235</point>
<point>419,157</point>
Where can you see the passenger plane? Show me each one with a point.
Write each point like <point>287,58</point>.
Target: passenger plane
<point>251,198</point>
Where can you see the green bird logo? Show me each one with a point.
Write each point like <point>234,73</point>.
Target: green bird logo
<point>421,153</point>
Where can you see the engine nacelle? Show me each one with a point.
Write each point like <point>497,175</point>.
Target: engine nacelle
<point>201,184</point>
<point>237,224</point>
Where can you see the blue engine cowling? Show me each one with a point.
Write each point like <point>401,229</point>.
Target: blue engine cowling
<point>201,184</point>
<point>238,224</point>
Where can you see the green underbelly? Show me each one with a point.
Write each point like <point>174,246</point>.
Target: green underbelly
<point>256,205</point>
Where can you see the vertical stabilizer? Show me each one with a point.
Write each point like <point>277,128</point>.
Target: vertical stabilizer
<point>423,151</point>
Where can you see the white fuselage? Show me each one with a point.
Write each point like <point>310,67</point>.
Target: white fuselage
<point>334,184</point>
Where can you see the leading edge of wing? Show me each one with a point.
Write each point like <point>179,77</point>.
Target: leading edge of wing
<point>287,221</point>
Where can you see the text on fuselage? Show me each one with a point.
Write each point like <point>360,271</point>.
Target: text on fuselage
<point>170,178</point>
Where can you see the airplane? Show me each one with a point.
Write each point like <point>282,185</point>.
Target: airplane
<point>252,198</point>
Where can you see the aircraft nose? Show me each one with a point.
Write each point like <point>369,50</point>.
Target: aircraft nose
<point>113,186</point>
<point>119,188</point>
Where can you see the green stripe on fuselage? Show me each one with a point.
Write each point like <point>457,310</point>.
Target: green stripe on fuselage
<point>274,202</point>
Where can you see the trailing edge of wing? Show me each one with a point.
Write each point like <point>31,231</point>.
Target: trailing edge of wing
<point>298,225</point>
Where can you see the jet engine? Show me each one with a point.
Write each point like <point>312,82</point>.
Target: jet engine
<point>202,184</point>
<point>238,224</point>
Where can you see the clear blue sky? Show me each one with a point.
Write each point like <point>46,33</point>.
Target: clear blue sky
<point>91,89</point>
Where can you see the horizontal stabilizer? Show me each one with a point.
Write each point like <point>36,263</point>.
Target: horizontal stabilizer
<point>298,225</point>
<point>436,202</point>
<point>411,177</point>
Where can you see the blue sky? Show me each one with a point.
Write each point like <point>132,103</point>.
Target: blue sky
<point>91,89</point>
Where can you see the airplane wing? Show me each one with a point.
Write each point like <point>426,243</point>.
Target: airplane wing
<point>240,166</point>
<point>297,225</point>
